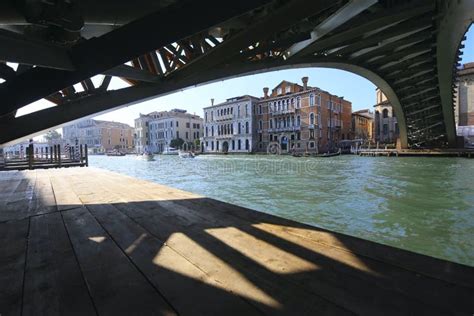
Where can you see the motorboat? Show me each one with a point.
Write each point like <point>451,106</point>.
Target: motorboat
<point>115,153</point>
<point>146,156</point>
<point>186,154</point>
<point>170,151</point>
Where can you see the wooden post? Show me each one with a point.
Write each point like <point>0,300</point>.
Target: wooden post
<point>59,156</point>
<point>80,154</point>
<point>87,155</point>
<point>30,156</point>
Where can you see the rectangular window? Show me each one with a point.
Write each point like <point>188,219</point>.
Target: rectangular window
<point>188,125</point>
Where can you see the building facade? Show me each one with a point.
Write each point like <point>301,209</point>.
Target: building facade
<point>229,126</point>
<point>464,101</point>
<point>165,126</point>
<point>386,128</point>
<point>363,125</point>
<point>300,118</point>
<point>100,136</point>
<point>464,104</point>
<point>140,135</point>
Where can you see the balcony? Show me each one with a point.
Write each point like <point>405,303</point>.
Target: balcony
<point>282,112</point>
<point>227,117</point>
<point>284,129</point>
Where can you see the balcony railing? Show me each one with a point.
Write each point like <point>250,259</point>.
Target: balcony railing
<point>284,129</point>
<point>282,112</point>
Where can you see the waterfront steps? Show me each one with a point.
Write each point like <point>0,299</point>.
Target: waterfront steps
<point>84,241</point>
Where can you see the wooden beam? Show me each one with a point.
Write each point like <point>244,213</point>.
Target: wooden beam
<point>341,16</point>
<point>17,48</point>
<point>349,35</point>
<point>129,72</point>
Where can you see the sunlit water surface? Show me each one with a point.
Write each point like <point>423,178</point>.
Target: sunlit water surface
<point>420,204</point>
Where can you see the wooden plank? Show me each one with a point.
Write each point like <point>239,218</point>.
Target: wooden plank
<point>262,288</point>
<point>17,204</point>
<point>116,286</point>
<point>66,199</point>
<point>13,244</point>
<point>172,274</point>
<point>53,280</point>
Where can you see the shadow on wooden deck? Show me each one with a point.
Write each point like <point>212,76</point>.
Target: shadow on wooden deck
<point>192,255</point>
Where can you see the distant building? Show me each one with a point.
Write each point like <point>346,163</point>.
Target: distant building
<point>386,128</point>
<point>140,135</point>
<point>301,118</point>
<point>165,126</point>
<point>228,126</point>
<point>100,136</point>
<point>464,104</point>
<point>363,125</point>
<point>464,101</point>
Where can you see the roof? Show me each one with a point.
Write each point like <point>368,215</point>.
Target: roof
<point>467,69</point>
<point>383,103</point>
<point>233,99</point>
<point>366,115</point>
<point>291,83</point>
<point>110,124</point>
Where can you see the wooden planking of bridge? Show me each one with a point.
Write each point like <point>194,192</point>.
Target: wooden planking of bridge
<point>83,241</point>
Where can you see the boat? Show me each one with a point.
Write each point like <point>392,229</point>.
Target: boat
<point>170,151</point>
<point>325,155</point>
<point>146,156</point>
<point>186,154</point>
<point>115,153</point>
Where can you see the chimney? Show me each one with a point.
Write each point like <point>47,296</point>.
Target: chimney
<point>305,83</point>
<point>212,102</point>
<point>265,92</point>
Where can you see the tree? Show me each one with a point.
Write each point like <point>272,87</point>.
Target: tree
<point>52,136</point>
<point>176,143</point>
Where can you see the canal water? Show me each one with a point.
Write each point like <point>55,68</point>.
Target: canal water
<point>424,205</point>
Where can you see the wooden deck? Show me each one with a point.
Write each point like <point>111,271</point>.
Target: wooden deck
<point>83,241</point>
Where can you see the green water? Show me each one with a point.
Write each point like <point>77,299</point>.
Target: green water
<point>421,204</point>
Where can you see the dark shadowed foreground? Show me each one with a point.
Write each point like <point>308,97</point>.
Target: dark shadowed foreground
<point>86,241</point>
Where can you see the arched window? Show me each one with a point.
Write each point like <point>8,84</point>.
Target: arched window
<point>288,121</point>
<point>271,123</point>
<point>246,127</point>
<point>247,144</point>
<point>260,124</point>
<point>239,129</point>
<point>212,130</point>
<point>260,109</point>
<point>385,113</point>
<point>311,99</point>
<point>311,119</point>
<point>212,115</point>
<point>298,102</point>
<point>298,121</point>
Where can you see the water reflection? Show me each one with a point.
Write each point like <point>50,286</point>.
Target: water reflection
<point>421,204</point>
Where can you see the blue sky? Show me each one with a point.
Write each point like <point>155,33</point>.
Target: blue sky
<point>354,88</point>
